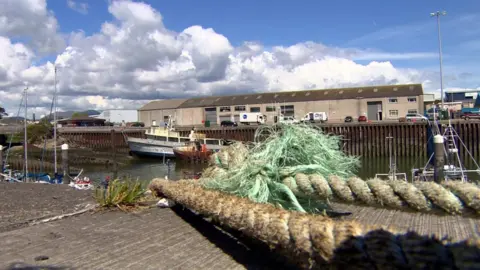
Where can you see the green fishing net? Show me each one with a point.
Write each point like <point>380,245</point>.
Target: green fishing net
<point>257,171</point>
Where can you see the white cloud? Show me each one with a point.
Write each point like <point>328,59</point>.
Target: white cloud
<point>30,19</point>
<point>79,7</point>
<point>134,58</point>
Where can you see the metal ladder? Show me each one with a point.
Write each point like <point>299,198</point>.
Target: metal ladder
<point>451,151</point>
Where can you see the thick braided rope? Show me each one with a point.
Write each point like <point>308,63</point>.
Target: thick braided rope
<point>313,241</point>
<point>452,197</point>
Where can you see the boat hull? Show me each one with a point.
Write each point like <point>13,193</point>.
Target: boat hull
<point>192,156</point>
<point>143,147</point>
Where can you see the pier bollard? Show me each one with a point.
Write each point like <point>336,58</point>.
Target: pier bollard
<point>439,158</point>
<point>1,160</point>
<point>65,167</point>
<point>1,156</point>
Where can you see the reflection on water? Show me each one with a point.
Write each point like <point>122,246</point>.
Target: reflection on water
<point>147,169</point>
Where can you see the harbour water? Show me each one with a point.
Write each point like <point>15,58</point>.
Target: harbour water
<point>147,169</point>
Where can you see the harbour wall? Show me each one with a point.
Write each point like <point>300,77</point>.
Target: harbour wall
<point>367,140</point>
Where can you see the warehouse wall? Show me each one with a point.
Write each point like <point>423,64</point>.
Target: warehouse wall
<point>337,110</point>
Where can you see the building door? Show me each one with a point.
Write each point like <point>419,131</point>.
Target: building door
<point>225,118</point>
<point>211,115</point>
<point>236,118</point>
<point>373,109</point>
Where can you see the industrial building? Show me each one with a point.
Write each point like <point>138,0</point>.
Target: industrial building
<point>375,102</point>
<point>467,98</point>
<point>118,116</point>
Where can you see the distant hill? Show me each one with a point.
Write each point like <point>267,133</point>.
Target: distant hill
<point>68,114</point>
<point>11,120</point>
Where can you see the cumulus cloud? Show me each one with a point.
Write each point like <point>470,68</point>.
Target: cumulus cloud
<point>30,20</point>
<point>79,7</point>
<point>135,58</point>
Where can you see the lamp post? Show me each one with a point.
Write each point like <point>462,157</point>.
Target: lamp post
<point>438,14</point>
<point>55,122</point>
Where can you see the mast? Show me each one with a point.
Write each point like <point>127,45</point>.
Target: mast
<point>55,123</point>
<point>25,141</point>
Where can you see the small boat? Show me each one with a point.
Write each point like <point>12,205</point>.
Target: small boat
<point>81,183</point>
<point>190,175</point>
<point>160,141</point>
<point>454,168</point>
<point>193,152</point>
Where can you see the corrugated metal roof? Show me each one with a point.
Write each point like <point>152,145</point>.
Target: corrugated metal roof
<point>163,104</point>
<point>307,95</point>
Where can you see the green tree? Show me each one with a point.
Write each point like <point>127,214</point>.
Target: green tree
<point>36,133</point>
<point>79,114</point>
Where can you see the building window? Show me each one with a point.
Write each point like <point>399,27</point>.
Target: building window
<point>225,109</point>
<point>393,100</point>
<point>165,118</point>
<point>270,108</point>
<point>154,123</point>
<point>240,108</point>
<point>254,109</point>
<point>214,109</point>
<point>412,111</point>
<point>412,99</point>
<point>287,110</point>
<point>393,113</point>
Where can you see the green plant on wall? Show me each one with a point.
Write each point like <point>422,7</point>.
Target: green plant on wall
<point>35,133</point>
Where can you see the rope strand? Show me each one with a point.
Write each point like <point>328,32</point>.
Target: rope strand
<point>314,241</point>
<point>451,197</point>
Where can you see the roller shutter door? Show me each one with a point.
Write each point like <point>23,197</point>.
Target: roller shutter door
<point>225,118</point>
<point>236,118</point>
<point>211,115</point>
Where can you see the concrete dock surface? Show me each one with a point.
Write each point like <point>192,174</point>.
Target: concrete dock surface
<point>154,238</point>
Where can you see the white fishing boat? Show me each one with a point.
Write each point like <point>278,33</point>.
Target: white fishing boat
<point>453,168</point>
<point>160,141</point>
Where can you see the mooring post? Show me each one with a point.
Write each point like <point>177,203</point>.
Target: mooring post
<point>439,158</point>
<point>114,154</point>
<point>65,166</point>
<point>1,158</point>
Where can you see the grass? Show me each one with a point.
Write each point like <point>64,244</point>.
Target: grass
<point>121,194</point>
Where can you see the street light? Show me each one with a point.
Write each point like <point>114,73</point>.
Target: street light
<point>438,14</point>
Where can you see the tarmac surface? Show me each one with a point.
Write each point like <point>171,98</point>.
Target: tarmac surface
<point>154,238</point>
<point>21,203</point>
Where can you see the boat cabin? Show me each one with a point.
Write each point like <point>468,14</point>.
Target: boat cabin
<point>165,134</point>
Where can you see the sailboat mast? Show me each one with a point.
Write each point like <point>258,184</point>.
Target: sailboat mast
<point>55,123</point>
<point>25,136</point>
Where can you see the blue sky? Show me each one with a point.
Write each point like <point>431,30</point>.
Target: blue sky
<point>396,27</point>
<point>296,46</point>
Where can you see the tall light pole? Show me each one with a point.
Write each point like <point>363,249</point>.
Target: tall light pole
<point>55,122</point>
<point>25,142</point>
<point>438,14</point>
